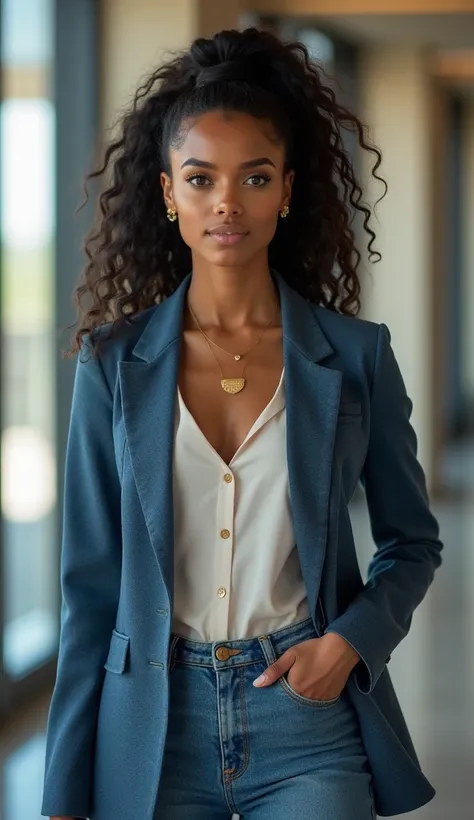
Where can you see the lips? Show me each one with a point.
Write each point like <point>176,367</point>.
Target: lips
<point>228,234</point>
<point>228,230</point>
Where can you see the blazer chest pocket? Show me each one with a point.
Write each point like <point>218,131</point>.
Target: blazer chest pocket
<point>118,653</point>
<point>349,411</point>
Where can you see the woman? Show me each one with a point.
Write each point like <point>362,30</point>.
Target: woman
<point>219,651</point>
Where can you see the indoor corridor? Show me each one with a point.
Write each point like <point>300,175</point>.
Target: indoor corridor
<point>406,69</point>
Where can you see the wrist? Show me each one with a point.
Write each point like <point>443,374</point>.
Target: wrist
<point>345,648</point>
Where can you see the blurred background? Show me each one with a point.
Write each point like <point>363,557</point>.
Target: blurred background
<point>406,67</point>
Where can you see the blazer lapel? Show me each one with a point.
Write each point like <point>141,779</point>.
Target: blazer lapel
<point>312,406</point>
<point>148,389</point>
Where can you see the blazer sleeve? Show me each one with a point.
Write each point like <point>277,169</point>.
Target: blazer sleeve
<point>90,581</point>
<point>404,530</point>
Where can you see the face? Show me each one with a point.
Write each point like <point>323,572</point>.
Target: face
<point>228,185</point>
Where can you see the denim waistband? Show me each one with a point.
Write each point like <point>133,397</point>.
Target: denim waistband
<point>222,654</point>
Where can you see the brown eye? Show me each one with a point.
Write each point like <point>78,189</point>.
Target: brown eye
<point>193,180</point>
<point>263,179</point>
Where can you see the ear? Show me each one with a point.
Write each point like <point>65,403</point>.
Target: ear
<point>287,188</point>
<point>167,186</point>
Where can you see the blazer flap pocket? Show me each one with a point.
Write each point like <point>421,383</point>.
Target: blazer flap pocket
<point>350,408</point>
<point>118,652</point>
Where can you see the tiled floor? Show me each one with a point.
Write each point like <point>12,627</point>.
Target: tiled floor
<point>432,670</point>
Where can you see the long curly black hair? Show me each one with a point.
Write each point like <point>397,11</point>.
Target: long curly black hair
<point>135,258</point>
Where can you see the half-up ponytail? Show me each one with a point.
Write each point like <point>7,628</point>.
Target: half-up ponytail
<point>136,258</point>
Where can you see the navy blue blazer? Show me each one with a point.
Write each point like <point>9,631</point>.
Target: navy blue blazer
<point>348,420</point>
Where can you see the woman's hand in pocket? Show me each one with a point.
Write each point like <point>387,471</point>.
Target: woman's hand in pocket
<point>318,668</point>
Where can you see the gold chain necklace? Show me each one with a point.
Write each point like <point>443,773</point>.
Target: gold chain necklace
<point>236,356</point>
<point>231,386</point>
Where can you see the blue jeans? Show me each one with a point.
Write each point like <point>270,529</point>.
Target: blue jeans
<point>264,754</point>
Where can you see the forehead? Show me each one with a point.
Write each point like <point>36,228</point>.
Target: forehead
<point>228,137</point>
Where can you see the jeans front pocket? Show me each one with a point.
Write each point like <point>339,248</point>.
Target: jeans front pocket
<point>304,701</point>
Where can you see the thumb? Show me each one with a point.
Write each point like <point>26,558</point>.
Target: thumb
<point>276,669</point>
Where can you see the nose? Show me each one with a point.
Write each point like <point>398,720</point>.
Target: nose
<point>227,207</point>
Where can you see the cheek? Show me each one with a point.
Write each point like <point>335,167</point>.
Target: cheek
<point>193,216</point>
<point>263,205</point>
<point>264,217</point>
<point>188,202</point>
<point>190,230</point>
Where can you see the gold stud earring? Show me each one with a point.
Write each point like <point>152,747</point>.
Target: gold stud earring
<point>172,215</point>
<point>284,212</point>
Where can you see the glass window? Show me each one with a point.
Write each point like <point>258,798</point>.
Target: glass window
<point>28,459</point>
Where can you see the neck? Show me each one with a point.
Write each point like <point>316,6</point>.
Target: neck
<point>229,299</point>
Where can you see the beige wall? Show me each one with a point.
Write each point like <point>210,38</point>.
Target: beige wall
<point>468,251</point>
<point>137,34</point>
<point>396,101</point>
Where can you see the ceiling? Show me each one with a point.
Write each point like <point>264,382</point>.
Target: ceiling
<point>442,32</point>
<point>439,30</point>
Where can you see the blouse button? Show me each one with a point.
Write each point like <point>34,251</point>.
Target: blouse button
<point>228,478</point>
<point>222,592</point>
<point>225,534</point>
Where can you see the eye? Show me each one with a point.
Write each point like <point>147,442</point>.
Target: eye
<point>263,178</point>
<point>192,179</point>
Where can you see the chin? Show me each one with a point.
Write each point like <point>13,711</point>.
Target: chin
<point>230,256</point>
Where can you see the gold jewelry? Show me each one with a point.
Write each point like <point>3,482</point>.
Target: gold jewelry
<point>231,386</point>
<point>172,214</point>
<point>236,356</point>
<point>284,212</point>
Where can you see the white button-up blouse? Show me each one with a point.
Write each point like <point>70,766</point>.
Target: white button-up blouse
<point>237,571</point>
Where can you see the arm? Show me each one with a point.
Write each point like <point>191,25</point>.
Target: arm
<point>404,530</point>
<point>90,581</point>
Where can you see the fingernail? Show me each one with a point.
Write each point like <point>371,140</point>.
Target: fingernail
<point>260,680</point>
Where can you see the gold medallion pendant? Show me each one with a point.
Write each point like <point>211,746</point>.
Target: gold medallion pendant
<point>233,385</point>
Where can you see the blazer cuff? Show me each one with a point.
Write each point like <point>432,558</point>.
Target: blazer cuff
<point>361,629</point>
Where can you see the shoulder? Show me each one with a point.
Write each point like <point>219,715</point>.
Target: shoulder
<point>361,349</point>
<point>345,331</point>
<point>356,342</point>
<point>350,336</point>
<point>115,344</point>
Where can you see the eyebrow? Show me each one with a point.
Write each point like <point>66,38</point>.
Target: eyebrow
<point>251,163</point>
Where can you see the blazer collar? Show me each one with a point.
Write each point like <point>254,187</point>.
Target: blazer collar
<point>300,324</point>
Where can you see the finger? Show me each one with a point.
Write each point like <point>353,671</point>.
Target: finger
<point>276,669</point>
